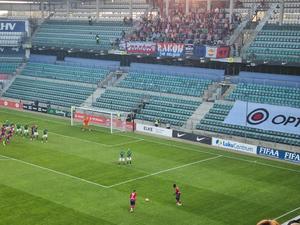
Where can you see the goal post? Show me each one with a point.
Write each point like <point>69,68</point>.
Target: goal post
<point>113,120</point>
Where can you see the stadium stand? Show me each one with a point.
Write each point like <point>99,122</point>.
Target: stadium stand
<point>8,66</point>
<point>170,97</point>
<point>60,83</point>
<point>254,87</point>
<point>277,44</point>
<point>79,34</point>
<point>214,122</point>
<point>48,92</point>
<point>198,27</point>
<point>64,71</point>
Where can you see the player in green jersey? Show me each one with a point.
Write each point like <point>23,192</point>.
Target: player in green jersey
<point>45,136</point>
<point>122,157</point>
<point>129,156</point>
<point>25,130</point>
<point>19,128</point>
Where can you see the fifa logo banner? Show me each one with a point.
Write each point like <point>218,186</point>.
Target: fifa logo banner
<point>279,154</point>
<point>170,49</point>
<point>265,117</point>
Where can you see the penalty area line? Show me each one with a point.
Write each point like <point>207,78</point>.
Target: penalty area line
<point>55,171</point>
<point>128,142</point>
<point>287,213</point>
<point>164,171</point>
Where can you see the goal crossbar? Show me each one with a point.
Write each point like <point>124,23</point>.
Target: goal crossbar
<point>111,119</point>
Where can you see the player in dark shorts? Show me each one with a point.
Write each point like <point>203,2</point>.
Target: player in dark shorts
<point>177,194</point>
<point>32,132</point>
<point>132,200</point>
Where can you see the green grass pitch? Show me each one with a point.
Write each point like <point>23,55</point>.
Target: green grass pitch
<point>75,179</point>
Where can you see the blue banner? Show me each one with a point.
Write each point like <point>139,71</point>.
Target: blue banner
<point>199,51</point>
<point>12,26</point>
<point>12,51</point>
<point>279,154</point>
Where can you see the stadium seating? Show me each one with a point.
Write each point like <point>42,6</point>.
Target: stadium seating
<point>276,43</point>
<point>276,95</point>
<point>213,122</point>
<point>8,66</point>
<point>64,71</point>
<point>79,34</point>
<point>166,83</point>
<point>48,92</point>
<point>149,107</point>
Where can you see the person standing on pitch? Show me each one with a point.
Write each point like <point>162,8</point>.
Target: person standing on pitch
<point>129,158</point>
<point>177,194</point>
<point>132,198</point>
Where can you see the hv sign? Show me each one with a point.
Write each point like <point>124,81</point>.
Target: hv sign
<point>265,117</point>
<point>12,26</point>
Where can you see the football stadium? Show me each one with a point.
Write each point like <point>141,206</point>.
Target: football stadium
<point>150,112</point>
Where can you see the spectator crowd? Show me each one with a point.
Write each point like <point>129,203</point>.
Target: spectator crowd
<point>198,27</point>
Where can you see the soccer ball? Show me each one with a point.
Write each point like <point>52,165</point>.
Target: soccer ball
<point>147,199</point>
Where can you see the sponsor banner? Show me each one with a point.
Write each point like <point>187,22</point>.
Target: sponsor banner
<point>199,51</point>
<point>222,52</point>
<point>233,145</point>
<point>188,50</point>
<point>12,26</point>
<point>170,49</point>
<point>279,154</point>
<point>146,48</point>
<point>12,50</point>
<point>103,121</point>
<point>154,130</point>
<point>11,104</point>
<point>117,52</point>
<point>191,137</point>
<point>211,52</point>
<point>265,117</point>
<point>58,112</point>
<point>32,107</point>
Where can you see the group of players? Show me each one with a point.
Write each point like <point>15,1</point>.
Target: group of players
<point>133,195</point>
<point>8,130</point>
<point>127,159</point>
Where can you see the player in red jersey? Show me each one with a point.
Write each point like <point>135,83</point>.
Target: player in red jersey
<point>177,194</point>
<point>132,200</point>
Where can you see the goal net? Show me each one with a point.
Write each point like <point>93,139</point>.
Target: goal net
<point>114,121</point>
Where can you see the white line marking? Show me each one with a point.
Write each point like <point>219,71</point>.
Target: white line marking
<point>125,143</point>
<point>283,215</point>
<point>105,145</point>
<point>80,139</point>
<point>262,164</point>
<point>164,171</point>
<point>57,172</point>
<point>226,156</point>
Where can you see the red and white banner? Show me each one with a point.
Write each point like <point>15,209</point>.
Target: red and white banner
<point>211,52</point>
<point>136,47</point>
<point>11,104</point>
<point>104,121</point>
